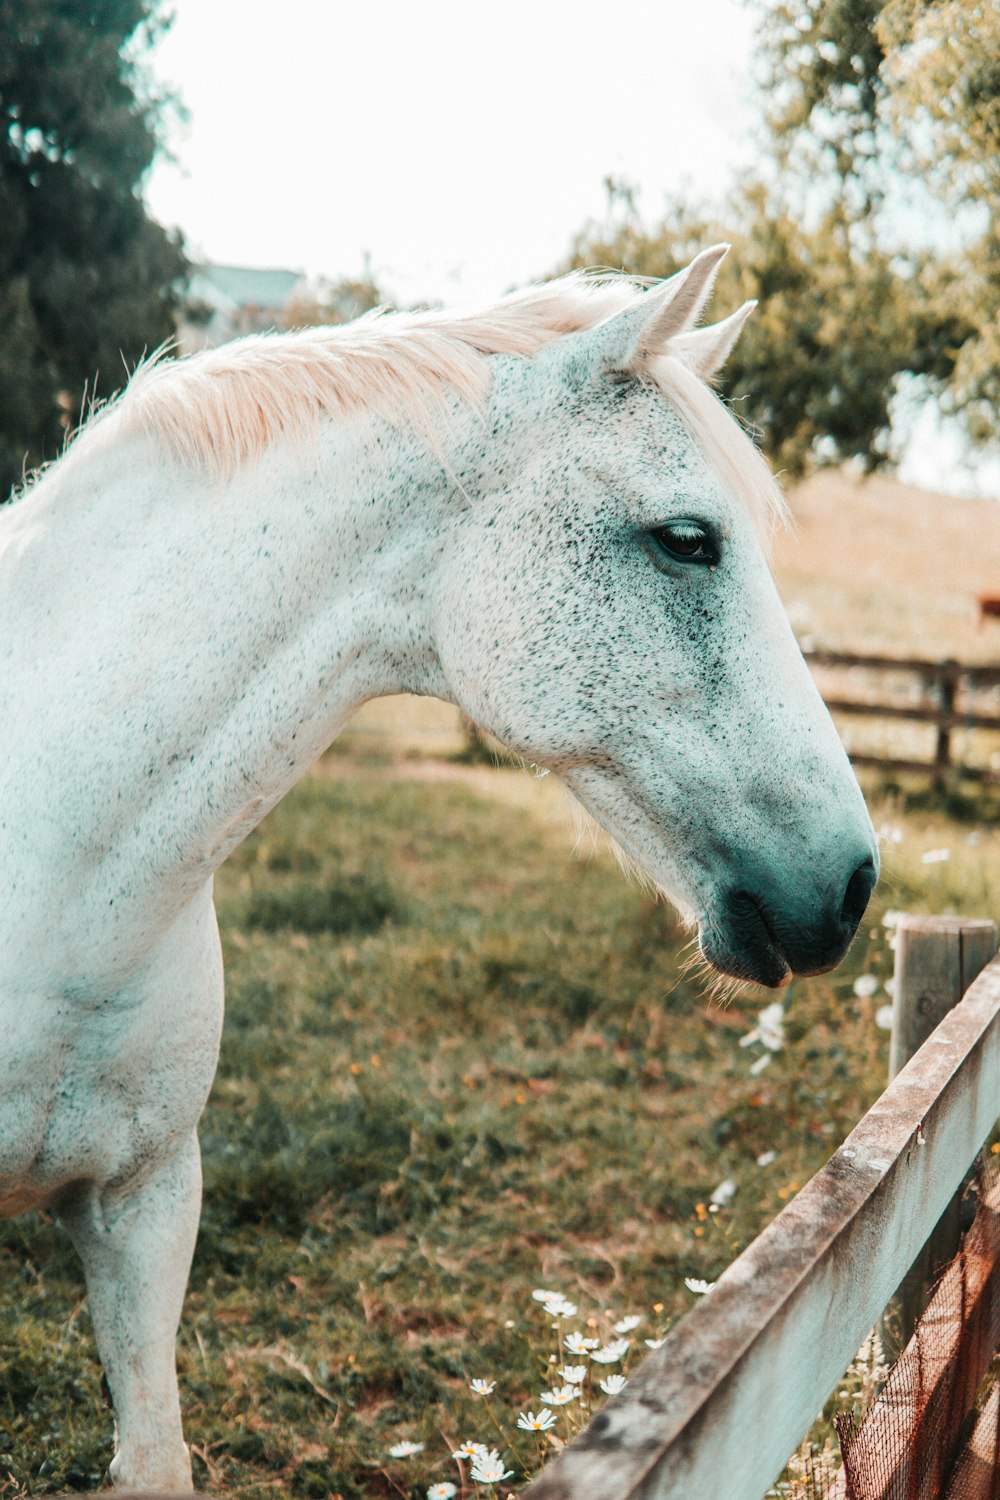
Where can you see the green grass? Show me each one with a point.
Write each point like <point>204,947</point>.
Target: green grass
<point>458,1063</point>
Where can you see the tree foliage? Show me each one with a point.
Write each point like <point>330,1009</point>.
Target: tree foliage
<point>865,104</point>
<point>823,91</point>
<point>336,302</point>
<point>892,101</point>
<point>813,372</point>
<point>87,279</point>
<point>943,102</point>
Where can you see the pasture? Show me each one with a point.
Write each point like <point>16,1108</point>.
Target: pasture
<point>461,1062</point>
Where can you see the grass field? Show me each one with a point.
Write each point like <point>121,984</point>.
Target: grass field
<point>460,1063</point>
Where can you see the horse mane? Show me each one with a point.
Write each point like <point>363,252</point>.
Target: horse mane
<point>224,407</point>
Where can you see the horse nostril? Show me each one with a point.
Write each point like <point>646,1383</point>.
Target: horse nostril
<point>858,894</point>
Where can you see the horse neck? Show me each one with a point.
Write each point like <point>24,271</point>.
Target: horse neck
<point>346,529</point>
<point>259,610</point>
<point>205,642</point>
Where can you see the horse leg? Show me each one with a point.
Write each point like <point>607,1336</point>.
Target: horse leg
<point>136,1242</point>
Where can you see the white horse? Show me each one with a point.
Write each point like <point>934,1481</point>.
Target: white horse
<point>539,512</point>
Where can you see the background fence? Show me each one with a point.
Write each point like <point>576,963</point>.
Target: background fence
<point>947,695</point>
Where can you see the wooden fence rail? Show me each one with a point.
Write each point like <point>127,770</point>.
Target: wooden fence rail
<point>718,1409</point>
<point>944,682</point>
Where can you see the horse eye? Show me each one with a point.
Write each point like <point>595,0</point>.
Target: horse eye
<point>686,541</point>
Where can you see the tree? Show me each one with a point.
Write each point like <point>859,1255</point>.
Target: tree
<point>336,302</point>
<point>822,87</point>
<point>813,373</point>
<point>88,282</point>
<point>943,103</point>
<point>892,107</point>
<point>865,103</point>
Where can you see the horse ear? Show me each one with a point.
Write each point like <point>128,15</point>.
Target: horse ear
<point>705,350</point>
<point>642,331</point>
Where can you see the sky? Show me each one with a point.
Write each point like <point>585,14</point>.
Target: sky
<point>459,146</point>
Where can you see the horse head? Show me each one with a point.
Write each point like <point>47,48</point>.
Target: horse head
<point>605,607</point>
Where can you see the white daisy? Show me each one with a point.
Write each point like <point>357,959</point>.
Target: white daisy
<point>558,1306</point>
<point>577,1344</point>
<point>487,1468</point>
<point>613,1384</point>
<point>470,1450</point>
<point>528,1422</point>
<point>771,1026</point>
<point>626,1325</point>
<point>724,1193</point>
<point>561,1396</point>
<point>405,1449</point>
<point>611,1353</point>
<point>482,1387</point>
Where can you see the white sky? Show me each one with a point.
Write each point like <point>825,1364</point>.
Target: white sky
<point>460,144</point>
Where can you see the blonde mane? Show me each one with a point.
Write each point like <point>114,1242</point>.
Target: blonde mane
<point>224,407</point>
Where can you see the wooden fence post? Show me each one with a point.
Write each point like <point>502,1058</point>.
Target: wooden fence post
<point>942,682</point>
<point>947,687</point>
<point>937,958</point>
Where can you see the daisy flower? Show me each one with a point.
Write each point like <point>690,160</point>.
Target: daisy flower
<point>482,1387</point>
<point>613,1384</point>
<point>611,1353</point>
<point>770,1024</point>
<point>561,1396</point>
<point>577,1344</point>
<point>558,1306</point>
<point>700,1288</point>
<point>626,1325</point>
<point>528,1422</point>
<point>443,1491</point>
<point>405,1449</point>
<point>770,1030</point>
<point>470,1450</point>
<point>487,1467</point>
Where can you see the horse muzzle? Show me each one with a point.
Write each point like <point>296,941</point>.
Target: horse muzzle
<point>768,940</point>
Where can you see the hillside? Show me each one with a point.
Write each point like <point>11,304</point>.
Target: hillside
<point>876,565</point>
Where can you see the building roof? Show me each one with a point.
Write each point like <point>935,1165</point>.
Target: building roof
<point>250,286</point>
